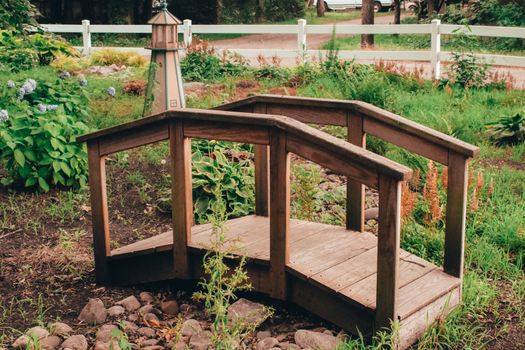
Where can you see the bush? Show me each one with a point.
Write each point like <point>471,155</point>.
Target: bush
<point>508,130</point>
<point>278,10</point>
<point>17,14</point>
<point>107,57</point>
<point>21,52</point>
<point>38,130</point>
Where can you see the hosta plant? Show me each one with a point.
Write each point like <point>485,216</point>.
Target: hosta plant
<point>508,130</point>
<point>39,124</point>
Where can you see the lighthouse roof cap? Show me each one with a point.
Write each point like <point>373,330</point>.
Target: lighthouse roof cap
<point>164,17</point>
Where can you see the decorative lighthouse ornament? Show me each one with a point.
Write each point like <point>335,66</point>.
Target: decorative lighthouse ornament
<point>165,90</point>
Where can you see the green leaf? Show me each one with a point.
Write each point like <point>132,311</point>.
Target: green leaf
<point>19,157</point>
<point>43,184</point>
<point>30,182</point>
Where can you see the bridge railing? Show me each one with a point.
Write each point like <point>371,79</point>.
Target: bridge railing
<point>435,29</point>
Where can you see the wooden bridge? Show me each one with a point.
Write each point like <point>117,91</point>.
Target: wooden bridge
<point>352,278</point>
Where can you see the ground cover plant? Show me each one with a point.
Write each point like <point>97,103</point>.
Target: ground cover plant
<point>45,242</point>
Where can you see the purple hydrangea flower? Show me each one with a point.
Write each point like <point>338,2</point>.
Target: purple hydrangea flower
<point>4,115</point>
<point>64,75</point>
<point>10,84</point>
<point>52,107</point>
<point>28,87</point>
<point>111,91</point>
<point>21,93</point>
<point>31,82</point>
<point>83,82</point>
<point>42,108</point>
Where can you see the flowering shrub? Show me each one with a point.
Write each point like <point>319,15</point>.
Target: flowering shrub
<point>39,123</point>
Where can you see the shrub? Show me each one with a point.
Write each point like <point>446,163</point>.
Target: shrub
<point>278,10</point>
<point>466,72</point>
<point>21,52</point>
<point>38,133</point>
<point>17,14</point>
<point>201,66</point>
<point>107,57</point>
<point>508,130</point>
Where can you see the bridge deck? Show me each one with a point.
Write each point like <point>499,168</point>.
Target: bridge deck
<point>338,261</point>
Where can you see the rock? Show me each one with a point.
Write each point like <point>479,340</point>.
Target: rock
<point>21,342</point>
<point>288,346</point>
<point>371,213</point>
<point>50,342</point>
<point>170,307</point>
<point>246,311</point>
<point>134,346</point>
<point>109,345</point>
<point>149,309</point>
<point>130,303</point>
<point>37,332</point>
<point>153,347</point>
<point>150,342</point>
<point>104,333</point>
<point>116,310</point>
<point>129,326</point>
<point>61,329</point>
<point>267,344</point>
<point>179,346</point>
<point>75,342</point>
<point>201,341</point>
<point>94,312</point>
<point>190,327</point>
<point>146,331</point>
<point>315,340</point>
<point>146,297</point>
<point>151,320</point>
<point>133,317</point>
<point>263,335</point>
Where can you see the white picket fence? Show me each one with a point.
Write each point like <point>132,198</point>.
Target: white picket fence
<point>435,29</point>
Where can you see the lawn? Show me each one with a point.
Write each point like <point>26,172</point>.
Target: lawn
<point>47,271</point>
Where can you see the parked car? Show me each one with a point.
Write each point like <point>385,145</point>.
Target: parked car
<point>334,5</point>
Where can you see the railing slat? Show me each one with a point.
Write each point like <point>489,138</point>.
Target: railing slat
<point>262,175</point>
<point>279,213</point>
<point>355,191</point>
<point>388,241</point>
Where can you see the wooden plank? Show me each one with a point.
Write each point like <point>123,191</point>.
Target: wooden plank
<point>181,197</point>
<point>363,291</point>
<point>279,213</point>
<point>334,162</point>
<point>226,131</point>
<point>355,190</point>
<point>310,114</point>
<point>99,212</point>
<point>134,138</point>
<point>456,215</point>
<point>262,172</point>
<point>388,240</point>
<point>425,290</point>
<point>411,142</point>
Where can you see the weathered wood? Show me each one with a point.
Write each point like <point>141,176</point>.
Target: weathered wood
<point>226,131</point>
<point>388,240</point>
<point>407,141</point>
<point>355,190</point>
<point>99,211</point>
<point>325,158</point>
<point>262,172</point>
<point>134,138</point>
<point>309,115</point>
<point>456,214</point>
<point>181,197</point>
<point>279,213</point>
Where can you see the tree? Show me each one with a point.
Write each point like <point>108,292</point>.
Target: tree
<point>320,8</point>
<point>367,17</point>
<point>397,11</point>
<point>260,11</point>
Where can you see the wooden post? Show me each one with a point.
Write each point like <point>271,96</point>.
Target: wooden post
<point>388,240</point>
<point>456,214</point>
<point>355,191</point>
<point>181,197</point>
<point>262,173</point>
<point>435,43</point>
<point>99,212</point>
<point>279,213</point>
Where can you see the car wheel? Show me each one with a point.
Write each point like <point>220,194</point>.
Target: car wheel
<point>377,6</point>
<point>326,8</point>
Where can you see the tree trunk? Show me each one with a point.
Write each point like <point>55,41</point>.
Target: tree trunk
<point>431,8</point>
<point>260,11</point>
<point>397,11</point>
<point>367,17</point>
<point>320,8</point>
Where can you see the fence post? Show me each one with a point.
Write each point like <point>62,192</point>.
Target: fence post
<point>301,37</point>
<point>435,61</point>
<point>187,32</point>
<point>86,37</point>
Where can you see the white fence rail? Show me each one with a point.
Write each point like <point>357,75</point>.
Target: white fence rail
<point>302,30</point>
